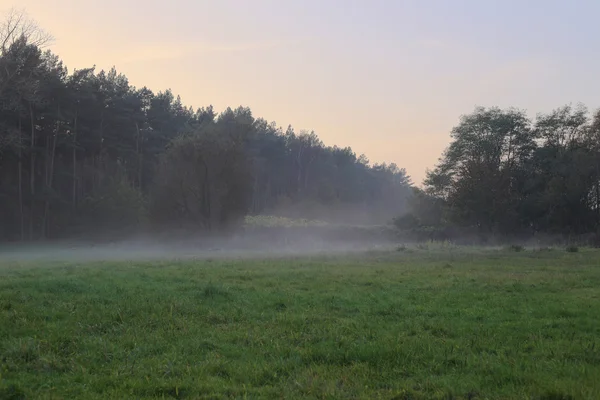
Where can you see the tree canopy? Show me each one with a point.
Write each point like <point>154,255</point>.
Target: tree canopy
<point>506,174</point>
<point>85,151</point>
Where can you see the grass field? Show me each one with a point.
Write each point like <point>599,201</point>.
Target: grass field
<point>444,323</point>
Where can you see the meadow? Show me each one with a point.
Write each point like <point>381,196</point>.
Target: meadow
<point>415,323</point>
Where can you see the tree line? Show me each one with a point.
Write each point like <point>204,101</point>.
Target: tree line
<point>85,151</point>
<point>505,174</point>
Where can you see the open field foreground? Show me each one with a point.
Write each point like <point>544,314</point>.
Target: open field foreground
<point>443,323</point>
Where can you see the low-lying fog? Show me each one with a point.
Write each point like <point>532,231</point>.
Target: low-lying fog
<point>152,248</point>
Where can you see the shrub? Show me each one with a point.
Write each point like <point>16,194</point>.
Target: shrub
<point>116,205</point>
<point>516,248</point>
<point>407,222</point>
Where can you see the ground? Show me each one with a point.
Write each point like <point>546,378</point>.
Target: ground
<point>417,323</point>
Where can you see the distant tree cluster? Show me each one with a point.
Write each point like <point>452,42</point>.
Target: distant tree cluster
<point>87,152</point>
<point>505,174</point>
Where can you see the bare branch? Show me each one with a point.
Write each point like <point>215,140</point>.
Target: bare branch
<point>18,24</point>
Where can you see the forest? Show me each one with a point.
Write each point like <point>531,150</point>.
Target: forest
<point>85,152</point>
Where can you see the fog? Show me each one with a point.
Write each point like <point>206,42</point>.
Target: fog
<point>262,245</point>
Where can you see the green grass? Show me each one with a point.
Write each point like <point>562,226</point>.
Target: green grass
<point>429,323</point>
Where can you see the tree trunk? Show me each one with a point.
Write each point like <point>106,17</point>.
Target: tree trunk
<point>20,173</point>
<point>267,196</point>
<point>31,171</point>
<point>138,151</point>
<point>97,161</point>
<point>306,174</point>
<point>46,160</point>
<point>50,176</point>
<point>598,199</point>
<point>597,205</point>
<point>100,163</point>
<point>74,193</point>
<point>255,194</point>
<point>206,200</point>
<point>299,166</point>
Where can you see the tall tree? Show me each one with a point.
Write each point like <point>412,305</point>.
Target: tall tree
<point>480,172</point>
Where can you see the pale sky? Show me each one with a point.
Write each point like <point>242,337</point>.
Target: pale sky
<point>388,78</point>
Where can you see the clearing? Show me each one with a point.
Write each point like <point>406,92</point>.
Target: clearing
<point>431,323</point>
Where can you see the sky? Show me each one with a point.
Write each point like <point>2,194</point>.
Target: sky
<point>388,78</point>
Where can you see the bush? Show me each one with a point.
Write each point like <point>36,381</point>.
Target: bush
<point>117,205</point>
<point>407,222</point>
<point>572,249</point>
<point>517,248</point>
